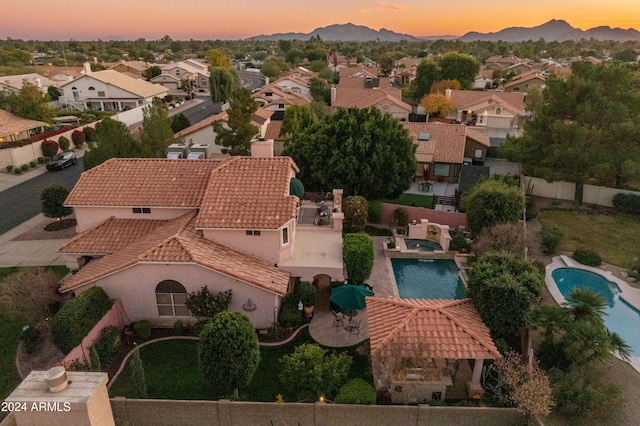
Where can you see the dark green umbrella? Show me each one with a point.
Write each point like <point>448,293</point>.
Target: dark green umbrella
<point>350,296</point>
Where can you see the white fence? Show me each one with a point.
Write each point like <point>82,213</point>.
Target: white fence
<point>559,190</point>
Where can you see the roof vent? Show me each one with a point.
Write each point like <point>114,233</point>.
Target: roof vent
<point>424,136</point>
<point>56,379</point>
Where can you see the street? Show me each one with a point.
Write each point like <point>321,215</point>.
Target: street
<point>22,202</point>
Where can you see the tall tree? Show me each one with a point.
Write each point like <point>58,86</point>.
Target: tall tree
<point>218,58</point>
<point>112,140</point>
<point>320,90</point>
<point>28,102</point>
<point>460,67</point>
<point>491,202</point>
<point>363,151</point>
<point>229,352</point>
<point>156,134</point>
<point>437,104</point>
<point>427,73</point>
<point>52,201</point>
<point>236,136</point>
<point>222,83</point>
<point>296,119</point>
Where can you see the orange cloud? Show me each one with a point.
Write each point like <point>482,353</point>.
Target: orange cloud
<point>389,6</point>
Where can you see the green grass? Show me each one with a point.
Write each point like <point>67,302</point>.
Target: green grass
<point>616,238</point>
<point>416,200</point>
<point>378,232</point>
<point>171,370</point>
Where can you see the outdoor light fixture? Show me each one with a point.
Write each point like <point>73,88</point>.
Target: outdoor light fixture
<point>300,305</point>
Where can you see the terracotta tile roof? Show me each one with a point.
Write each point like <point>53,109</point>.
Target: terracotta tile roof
<point>532,75</point>
<point>10,124</point>
<point>364,98</point>
<point>446,141</point>
<point>143,182</point>
<point>258,119</point>
<point>178,241</point>
<point>450,329</point>
<point>249,193</point>
<point>474,99</point>
<point>273,131</point>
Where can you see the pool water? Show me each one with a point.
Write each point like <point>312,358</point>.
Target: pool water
<point>621,318</point>
<point>422,245</point>
<point>428,279</point>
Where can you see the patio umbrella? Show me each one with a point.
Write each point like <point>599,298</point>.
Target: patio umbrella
<point>350,296</point>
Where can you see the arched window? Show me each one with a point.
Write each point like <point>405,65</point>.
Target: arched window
<point>92,88</point>
<point>171,297</point>
<point>498,111</point>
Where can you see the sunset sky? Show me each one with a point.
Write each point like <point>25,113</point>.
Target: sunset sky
<point>234,19</point>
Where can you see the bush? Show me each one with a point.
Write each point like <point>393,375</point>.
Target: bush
<point>10,168</point>
<point>178,328</point>
<point>142,329</point>
<point>355,214</point>
<point>32,164</point>
<point>626,203</point>
<point>357,250</point>
<point>78,137</point>
<point>356,391</point>
<point>77,317</point>
<point>17,170</point>
<point>307,293</point>
<point>459,243</point>
<point>50,148</point>
<point>29,337</point>
<point>24,167</point>
<point>587,257</point>
<point>550,238</point>
<point>375,211</point>
<point>197,327</point>
<point>89,134</point>
<point>64,143</point>
<point>42,160</point>
<point>401,216</point>
<point>94,359</point>
<point>86,118</point>
<point>290,316</point>
<point>491,202</point>
<point>109,344</point>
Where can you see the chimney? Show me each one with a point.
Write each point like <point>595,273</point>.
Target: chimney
<point>448,93</point>
<point>262,148</point>
<point>87,68</point>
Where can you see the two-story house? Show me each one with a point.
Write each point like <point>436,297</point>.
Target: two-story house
<point>177,75</point>
<point>361,90</point>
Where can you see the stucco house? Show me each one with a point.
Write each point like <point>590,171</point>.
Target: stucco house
<point>13,83</point>
<point>442,149</point>
<point>153,230</point>
<point>14,128</point>
<point>173,76</point>
<point>524,82</point>
<point>418,345</point>
<point>108,90</point>
<point>135,69</point>
<point>364,91</point>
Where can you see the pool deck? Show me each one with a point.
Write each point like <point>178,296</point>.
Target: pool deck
<point>629,294</point>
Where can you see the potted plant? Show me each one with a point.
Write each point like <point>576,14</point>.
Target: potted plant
<point>308,298</point>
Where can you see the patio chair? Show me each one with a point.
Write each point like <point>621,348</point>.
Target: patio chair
<point>354,327</point>
<point>338,319</point>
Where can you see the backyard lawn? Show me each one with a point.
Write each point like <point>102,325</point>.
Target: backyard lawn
<point>416,200</point>
<point>171,371</point>
<point>616,238</point>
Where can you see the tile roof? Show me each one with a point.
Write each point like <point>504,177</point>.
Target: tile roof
<point>177,240</point>
<point>474,99</point>
<point>10,124</point>
<point>273,131</point>
<point>364,98</point>
<point>249,193</point>
<point>446,142</point>
<point>17,81</point>
<point>258,119</point>
<point>442,329</point>
<point>144,182</point>
<point>138,87</point>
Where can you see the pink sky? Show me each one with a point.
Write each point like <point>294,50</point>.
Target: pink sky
<point>208,19</point>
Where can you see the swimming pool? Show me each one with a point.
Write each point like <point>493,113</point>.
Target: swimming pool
<point>422,245</point>
<point>427,279</point>
<point>621,318</point>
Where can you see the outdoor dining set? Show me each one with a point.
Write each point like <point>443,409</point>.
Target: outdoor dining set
<point>349,298</point>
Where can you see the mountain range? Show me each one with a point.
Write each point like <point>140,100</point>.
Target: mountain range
<point>554,30</point>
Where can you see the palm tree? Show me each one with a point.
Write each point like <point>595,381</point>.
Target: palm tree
<point>586,305</point>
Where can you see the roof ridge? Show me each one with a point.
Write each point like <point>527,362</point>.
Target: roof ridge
<point>83,233</point>
<point>444,311</point>
<point>395,331</point>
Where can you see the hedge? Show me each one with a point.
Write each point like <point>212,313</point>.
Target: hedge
<point>358,256</point>
<point>142,329</point>
<point>78,137</point>
<point>77,317</point>
<point>587,257</point>
<point>626,203</point>
<point>375,211</point>
<point>356,210</point>
<point>109,344</point>
<point>356,391</point>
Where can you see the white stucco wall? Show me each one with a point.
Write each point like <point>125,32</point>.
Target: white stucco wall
<point>135,287</point>
<point>90,217</point>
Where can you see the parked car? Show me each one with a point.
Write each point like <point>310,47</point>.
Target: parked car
<point>62,160</point>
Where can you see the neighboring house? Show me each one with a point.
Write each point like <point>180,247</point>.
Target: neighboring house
<point>499,62</point>
<point>404,70</point>
<point>174,76</point>
<point>153,230</point>
<point>484,79</point>
<point>62,74</point>
<point>442,149</point>
<point>498,113</point>
<point>366,91</point>
<point>135,69</point>
<point>418,346</point>
<point>273,133</point>
<point>14,128</point>
<point>294,81</point>
<point>108,90</point>
<point>275,99</point>
<point>15,82</point>
<point>523,82</point>
<point>202,131</point>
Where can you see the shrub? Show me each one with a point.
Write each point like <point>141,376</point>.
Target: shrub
<point>355,214</point>
<point>550,238</point>
<point>358,256</point>
<point>109,344</point>
<point>401,216</point>
<point>17,170</point>
<point>24,167</point>
<point>197,327</point>
<point>290,316</point>
<point>142,329</point>
<point>50,148</point>
<point>459,243</point>
<point>307,293</point>
<point>77,317</point>
<point>178,328</point>
<point>509,237</point>
<point>138,376</point>
<point>78,137</point>
<point>204,304</point>
<point>32,164</point>
<point>86,118</point>
<point>375,211</point>
<point>29,337</point>
<point>52,201</point>
<point>10,168</point>
<point>64,143</point>
<point>356,391</point>
<point>626,203</point>
<point>42,160</point>
<point>94,359</point>
<point>89,134</point>
<point>587,257</point>
<point>491,202</point>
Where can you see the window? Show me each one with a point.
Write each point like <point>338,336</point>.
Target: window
<point>477,153</point>
<point>178,73</point>
<point>285,236</point>
<point>171,298</point>
<point>440,169</point>
<point>281,106</point>
<point>498,111</point>
<point>385,107</point>
<point>481,119</point>
<point>145,210</point>
<point>101,94</point>
<point>253,233</point>
<point>92,88</point>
